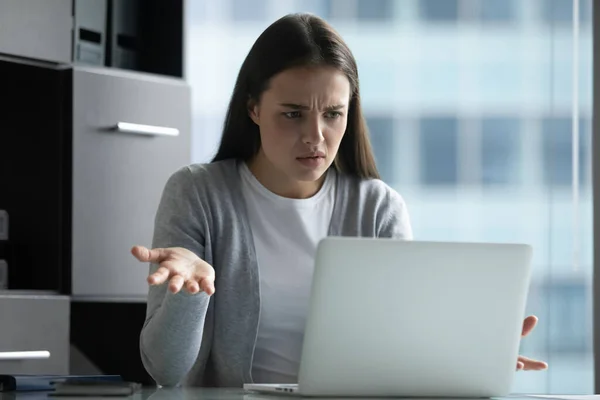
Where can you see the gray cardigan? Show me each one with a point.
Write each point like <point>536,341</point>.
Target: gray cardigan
<point>209,341</point>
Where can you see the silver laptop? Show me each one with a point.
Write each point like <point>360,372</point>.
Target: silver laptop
<point>412,319</point>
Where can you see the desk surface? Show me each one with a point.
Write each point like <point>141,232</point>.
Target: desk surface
<point>174,394</point>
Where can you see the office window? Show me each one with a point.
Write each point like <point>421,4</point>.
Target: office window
<point>328,8</point>
<point>557,142</point>
<point>567,317</point>
<point>377,82</point>
<point>585,12</point>
<point>339,10</point>
<point>439,10</point>
<point>557,10</point>
<point>375,10</point>
<point>246,11</point>
<point>460,61</point>
<point>438,154</point>
<point>561,11</point>
<point>381,130</point>
<point>500,139</point>
<point>497,10</point>
<point>318,7</point>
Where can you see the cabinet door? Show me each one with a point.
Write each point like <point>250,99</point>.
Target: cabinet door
<point>119,174</point>
<point>38,29</point>
<point>35,323</point>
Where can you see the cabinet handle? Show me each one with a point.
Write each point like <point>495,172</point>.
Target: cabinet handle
<point>151,130</point>
<point>23,355</point>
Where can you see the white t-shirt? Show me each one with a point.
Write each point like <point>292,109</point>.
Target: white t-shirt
<point>286,233</point>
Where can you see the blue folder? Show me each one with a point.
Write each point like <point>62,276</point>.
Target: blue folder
<point>10,383</point>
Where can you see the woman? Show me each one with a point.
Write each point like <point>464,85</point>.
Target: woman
<point>294,165</point>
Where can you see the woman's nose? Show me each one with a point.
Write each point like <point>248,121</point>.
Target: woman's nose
<point>313,133</point>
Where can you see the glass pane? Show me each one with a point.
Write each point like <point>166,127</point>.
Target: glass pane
<point>439,10</point>
<point>484,151</point>
<point>321,8</point>
<point>500,160</point>
<point>339,10</point>
<point>375,10</point>
<point>377,81</point>
<point>558,10</point>
<point>438,83</point>
<point>558,153</point>
<point>561,11</point>
<point>568,316</point>
<point>439,146</point>
<point>382,140</point>
<point>254,10</point>
<point>497,10</point>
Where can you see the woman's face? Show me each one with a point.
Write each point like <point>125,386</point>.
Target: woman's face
<point>302,118</point>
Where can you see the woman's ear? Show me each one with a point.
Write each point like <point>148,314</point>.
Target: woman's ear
<point>253,111</point>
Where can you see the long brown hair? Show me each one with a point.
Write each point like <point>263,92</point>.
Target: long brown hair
<point>292,41</point>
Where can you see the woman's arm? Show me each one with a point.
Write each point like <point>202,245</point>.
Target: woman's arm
<point>172,333</point>
<point>394,221</point>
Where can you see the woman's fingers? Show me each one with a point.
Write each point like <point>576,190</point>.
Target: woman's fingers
<point>192,287</point>
<point>179,267</point>
<point>531,364</point>
<point>207,284</point>
<point>528,324</point>
<point>176,283</point>
<point>160,276</point>
<point>145,254</point>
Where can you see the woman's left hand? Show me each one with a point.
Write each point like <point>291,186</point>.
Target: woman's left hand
<point>524,363</point>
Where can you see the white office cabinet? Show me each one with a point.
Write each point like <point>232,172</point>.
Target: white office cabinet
<point>119,174</point>
<point>38,29</point>
<point>31,322</point>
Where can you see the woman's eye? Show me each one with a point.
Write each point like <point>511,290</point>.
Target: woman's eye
<point>333,114</point>
<point>292,114</point>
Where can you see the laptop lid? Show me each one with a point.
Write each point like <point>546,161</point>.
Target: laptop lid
<point>408,318</point>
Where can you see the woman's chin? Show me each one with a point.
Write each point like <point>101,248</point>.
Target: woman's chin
<point>309,175</point>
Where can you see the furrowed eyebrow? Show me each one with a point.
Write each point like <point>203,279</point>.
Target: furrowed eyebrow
<point>294,106</point>
<point>303,107</point>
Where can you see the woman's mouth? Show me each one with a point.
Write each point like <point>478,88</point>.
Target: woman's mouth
<point>311,161</point>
